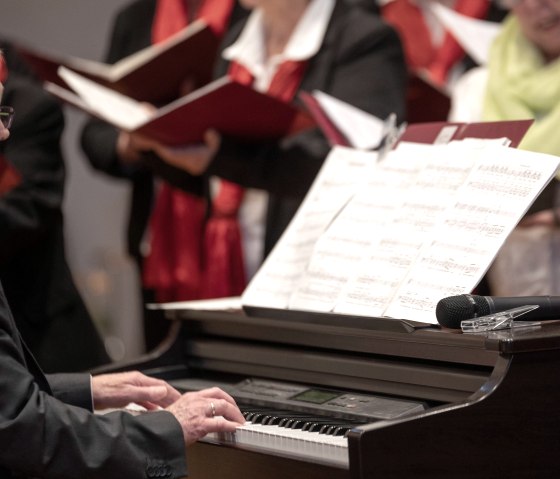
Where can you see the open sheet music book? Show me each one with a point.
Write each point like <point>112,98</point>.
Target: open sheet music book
<point>391,237</point>
<point>153,74</point>
<point>229,107</point>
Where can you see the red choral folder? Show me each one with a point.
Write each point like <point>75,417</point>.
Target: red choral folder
<point>153,75</point>
<point>443,132</point>
<point>425,132</point>
<point>425,101</point>
<point>229,107</point>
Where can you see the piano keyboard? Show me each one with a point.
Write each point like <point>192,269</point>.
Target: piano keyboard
<point>300,421</point>
<point>291,434</point>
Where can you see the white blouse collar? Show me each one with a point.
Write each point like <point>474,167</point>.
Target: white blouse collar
<point>305,41</point>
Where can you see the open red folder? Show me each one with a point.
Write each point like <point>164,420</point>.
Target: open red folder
<point>229,107</point>
<point>153,74</point>
<point>333,122</point>
<point>443,132</point>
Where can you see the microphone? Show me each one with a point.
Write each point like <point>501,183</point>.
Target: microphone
<point>452,310</point>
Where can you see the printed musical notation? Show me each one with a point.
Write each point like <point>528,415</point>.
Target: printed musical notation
<point>392,237</point>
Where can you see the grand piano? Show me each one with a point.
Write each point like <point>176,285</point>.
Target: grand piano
<point>348,397</point>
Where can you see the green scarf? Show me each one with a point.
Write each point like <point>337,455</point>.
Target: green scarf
<point>521,86</point>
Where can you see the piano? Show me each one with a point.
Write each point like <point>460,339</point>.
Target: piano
<point>348,397</point>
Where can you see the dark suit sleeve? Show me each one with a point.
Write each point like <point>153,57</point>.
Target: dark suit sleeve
<point>72,388</point>
<point>29,209</point>
<point>44,437</point>
<point>361,63</point>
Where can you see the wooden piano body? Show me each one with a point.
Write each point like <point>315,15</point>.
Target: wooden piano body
<point>490,397</point>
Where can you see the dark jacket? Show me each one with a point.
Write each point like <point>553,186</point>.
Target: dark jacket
<point>45,437</point>
<point>46,304</point>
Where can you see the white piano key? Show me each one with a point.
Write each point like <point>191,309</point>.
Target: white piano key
<point>295,442</point>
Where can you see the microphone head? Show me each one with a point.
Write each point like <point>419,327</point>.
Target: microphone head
<point>452,310</point>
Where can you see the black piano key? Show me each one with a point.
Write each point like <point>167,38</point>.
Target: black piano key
<point>316,425</point>
<point>248,415</point>
<point>333,429</point>
<point>298,423</point>
<point>297,420</point>
<point>273,418</point>
<point>253,413</point>
<point>258,418</point>
<point>287,423</point>
<point>289,419</point>
<point>341,430</point>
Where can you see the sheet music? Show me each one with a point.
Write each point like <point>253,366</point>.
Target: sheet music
<point>486,208</point>
<point>336,182</point>
<point>339,251</point>
<point>386,263</point>
<point>393,239</point>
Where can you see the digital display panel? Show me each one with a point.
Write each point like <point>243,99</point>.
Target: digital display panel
<point>315,396</point>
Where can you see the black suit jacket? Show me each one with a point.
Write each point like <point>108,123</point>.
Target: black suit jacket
<point>42,436</point>
<point>50,313</point>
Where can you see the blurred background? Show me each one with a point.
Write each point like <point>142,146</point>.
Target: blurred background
<point>95,205</point>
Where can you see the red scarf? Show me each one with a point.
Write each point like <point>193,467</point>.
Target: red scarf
<point>224,266</point>
<point>3,69</point>
<point>171,16</point>
<point>408,20</point>
<point>191,259</point>
<point>9,176</point>
<point>173,266</point>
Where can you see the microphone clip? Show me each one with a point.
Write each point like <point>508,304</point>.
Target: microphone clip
<point>501,320</point>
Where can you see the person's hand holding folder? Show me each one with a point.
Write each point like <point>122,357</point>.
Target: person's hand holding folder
<point>192,158</point>
<point>130,146</point>
<point>184,121</point>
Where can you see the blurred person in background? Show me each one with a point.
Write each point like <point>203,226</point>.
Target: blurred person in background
<point>434,58</point>
<point>522,81</point>
<point>136,26</point>
<point>284,47</point>
<point>50,312</point>
<point>429,48</point>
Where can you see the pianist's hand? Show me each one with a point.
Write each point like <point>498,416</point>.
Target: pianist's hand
<point>202,412</point>
<point>119,389</point>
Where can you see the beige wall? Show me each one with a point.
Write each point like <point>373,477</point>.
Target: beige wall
<point>95,206</point>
